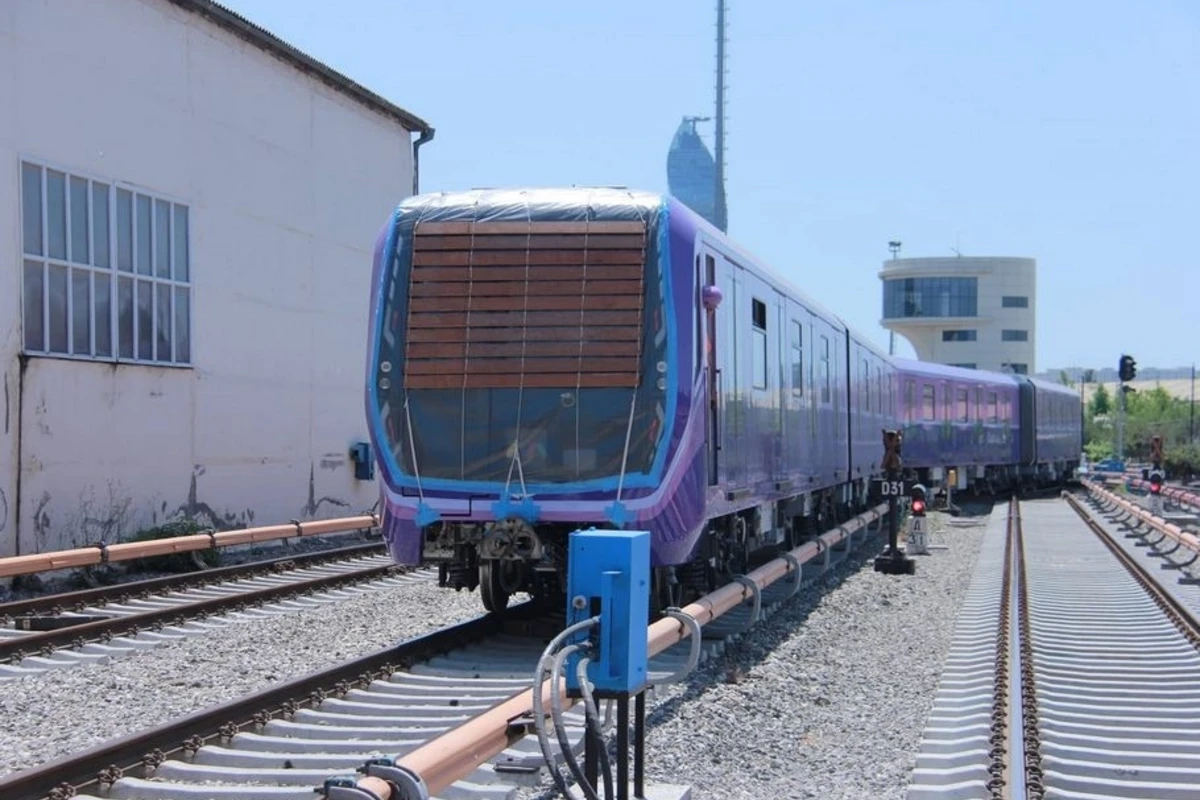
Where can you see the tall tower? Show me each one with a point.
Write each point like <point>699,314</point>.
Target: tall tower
<point>721,212</point>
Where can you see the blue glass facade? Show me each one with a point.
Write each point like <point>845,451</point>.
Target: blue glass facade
<point>691,172</point>
<point>930,297</point>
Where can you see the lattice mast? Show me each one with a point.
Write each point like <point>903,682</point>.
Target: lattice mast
<point>722,216</point>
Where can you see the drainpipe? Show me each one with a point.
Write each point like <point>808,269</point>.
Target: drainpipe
<point>22,364</point>
<point>425,136</point>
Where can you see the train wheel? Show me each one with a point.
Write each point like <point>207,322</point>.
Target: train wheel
<point>498,581</point>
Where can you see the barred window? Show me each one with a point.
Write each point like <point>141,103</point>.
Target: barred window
<point>106,273</point>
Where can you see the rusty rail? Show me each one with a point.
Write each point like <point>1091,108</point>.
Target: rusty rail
<point>102,553</point>
<point>1169,529</point>
<point>458,752</point>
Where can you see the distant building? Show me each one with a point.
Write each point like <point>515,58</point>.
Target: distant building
<point>188,210</point>
<point>691,171</point>
<point>975,312</point>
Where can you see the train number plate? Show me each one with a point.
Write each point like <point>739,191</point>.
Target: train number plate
<point>890,488</point>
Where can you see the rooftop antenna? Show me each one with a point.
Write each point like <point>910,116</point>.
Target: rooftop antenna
<point>722,212</point>
<point>894,246</point>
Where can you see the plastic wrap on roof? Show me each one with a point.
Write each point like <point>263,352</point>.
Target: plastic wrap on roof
<point>517,205</point>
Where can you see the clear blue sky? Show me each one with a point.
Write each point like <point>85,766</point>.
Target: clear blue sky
<point>1066,131</point>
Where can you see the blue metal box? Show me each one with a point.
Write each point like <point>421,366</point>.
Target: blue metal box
<point>610,571</point>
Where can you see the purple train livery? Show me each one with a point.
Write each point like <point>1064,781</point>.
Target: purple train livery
<point>545,360</point>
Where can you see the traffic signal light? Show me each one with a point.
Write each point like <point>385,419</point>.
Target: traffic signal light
<point>1156,482</point>
<point>918,500</point>
<point>1127,368</point>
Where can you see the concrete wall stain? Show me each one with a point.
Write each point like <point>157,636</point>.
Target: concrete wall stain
<point>41,525</point>
<point>314,504</point>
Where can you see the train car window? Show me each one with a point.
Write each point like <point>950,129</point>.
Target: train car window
<point>879,390</point>
<point>947,404</point>
<point>826,391</point>
<point>928,402</point>
<point>864,387</point>
<point>797,359</point>
<point>758,331</point>
<point>960,399</point>
<point>978,404</point>
<point>995,409</point>
<point>910,400</point>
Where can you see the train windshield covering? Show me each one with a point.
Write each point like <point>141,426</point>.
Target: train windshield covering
<point>525,351</point>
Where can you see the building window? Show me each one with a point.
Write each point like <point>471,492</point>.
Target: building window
<point>758,334</point>
<point>930,297</point>
<point>797,359</point>
<point>1014,336</point>
<point>1014,301</point>
<point>959,336</point>
<point>1019,369</point>
<point>106,270</point>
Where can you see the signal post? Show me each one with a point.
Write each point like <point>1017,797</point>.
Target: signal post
<point>893,561</point>
<point>1156,476</point>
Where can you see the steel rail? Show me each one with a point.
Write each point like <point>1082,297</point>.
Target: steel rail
<point>17,648</point>
<point>1169,529</point>
<point>108,762</point>
<point>455,754</point>
<point>1180,616</point>
<point>102,553</point>
<point>141,589</point>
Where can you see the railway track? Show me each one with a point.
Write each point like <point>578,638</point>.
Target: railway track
<point>279,744</point>
<point>61,631</point>
<point>1073,672</point>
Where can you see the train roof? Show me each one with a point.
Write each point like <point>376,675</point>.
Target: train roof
<point>571,204</point>
<point>935,370</point>
<point>1052,387</point>
<point>772,275</point>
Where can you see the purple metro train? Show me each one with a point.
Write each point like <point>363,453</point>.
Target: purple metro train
<point>549,359</point>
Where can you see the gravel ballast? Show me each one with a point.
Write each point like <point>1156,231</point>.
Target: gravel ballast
<point>829,696</point>
<point>45,717</point>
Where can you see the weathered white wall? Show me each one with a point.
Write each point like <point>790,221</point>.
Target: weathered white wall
<point>287,183</point>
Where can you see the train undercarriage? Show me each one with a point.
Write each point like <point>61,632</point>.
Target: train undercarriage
<point>508,557</point>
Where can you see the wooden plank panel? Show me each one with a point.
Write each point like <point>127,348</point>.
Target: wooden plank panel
<point>607,380</point>
<point>500,319</point>
<point>545,241</point>
<point>517,288</point>
<point>466,227</point>
<point>533,303</point>
<point>479,274</point>
<point>516,258</point>
<point>626,349</point>
<point>612,333</point>
<point>527,366</point>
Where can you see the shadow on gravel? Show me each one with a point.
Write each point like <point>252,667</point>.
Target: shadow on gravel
<point>757,644</point>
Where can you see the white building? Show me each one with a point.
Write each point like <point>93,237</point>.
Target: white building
<point>974,312</point>
<point>188,210</point>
